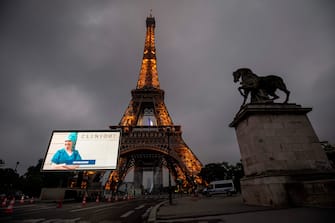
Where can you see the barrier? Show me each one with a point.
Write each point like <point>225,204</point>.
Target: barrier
<point>4,203</point>
<point>9,209</point>
<point>22,200</point>
<point>83,203</point>
<point>60,204</point>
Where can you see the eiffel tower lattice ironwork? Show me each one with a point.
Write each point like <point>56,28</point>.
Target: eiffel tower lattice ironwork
<point>149,137</point>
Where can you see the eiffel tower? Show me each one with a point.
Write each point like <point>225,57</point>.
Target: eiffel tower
<point>150,140</point>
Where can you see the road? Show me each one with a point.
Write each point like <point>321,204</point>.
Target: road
<point>120,211</point>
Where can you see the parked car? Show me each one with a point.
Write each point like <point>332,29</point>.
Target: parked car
<point>220,187</point>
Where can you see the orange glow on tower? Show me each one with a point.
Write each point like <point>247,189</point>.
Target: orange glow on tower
<point>144,127</point>
<point>148,77</point>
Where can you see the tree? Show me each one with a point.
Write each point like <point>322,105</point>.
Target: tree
<point>213,171</point>
<point>32,180</point>
<point>223,171</point>
<point>2,162</point>
<point>330,152</point>
<point>10,182</point>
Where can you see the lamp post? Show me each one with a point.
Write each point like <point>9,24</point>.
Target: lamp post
<point>17,163</point>
<point>170,191</point>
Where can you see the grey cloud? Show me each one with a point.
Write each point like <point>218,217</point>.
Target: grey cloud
<point>55,54</point>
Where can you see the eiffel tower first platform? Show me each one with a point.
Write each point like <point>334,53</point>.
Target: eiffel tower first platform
<point>150,140</point>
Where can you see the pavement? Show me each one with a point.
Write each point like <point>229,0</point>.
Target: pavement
<point>220,208</point>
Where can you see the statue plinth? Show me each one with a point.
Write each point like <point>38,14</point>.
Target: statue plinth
<point>282,157</point>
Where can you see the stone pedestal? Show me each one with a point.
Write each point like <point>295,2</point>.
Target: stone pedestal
<point>283,161</point>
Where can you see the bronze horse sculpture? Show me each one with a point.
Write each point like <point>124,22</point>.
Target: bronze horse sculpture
<point>260,87</point>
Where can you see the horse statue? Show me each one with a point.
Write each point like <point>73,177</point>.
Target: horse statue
<point>259,87</point>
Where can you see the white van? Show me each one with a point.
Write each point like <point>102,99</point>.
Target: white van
<point>220,187</point>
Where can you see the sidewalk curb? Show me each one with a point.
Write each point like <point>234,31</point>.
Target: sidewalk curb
<point>171,219</point>
<point>153,213</point>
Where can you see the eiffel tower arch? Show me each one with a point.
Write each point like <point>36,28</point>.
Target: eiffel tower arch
<point>149,139</point>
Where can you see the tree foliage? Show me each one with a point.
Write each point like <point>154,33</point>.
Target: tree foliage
<point>32,181</point>
<point>10,181</point>
<point>222,171</point>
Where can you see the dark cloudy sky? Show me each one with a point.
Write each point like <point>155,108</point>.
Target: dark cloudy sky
<point>72,65</point>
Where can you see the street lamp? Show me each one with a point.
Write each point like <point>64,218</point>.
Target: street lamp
<point>17,163</point>
<point>170,190</point>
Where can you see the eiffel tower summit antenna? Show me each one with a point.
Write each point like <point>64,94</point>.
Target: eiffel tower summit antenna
<point>148,77</point>
<point>149,139</point>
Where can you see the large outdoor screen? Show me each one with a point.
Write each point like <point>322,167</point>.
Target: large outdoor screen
<point>82,150</point>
